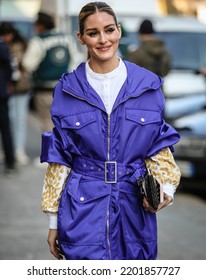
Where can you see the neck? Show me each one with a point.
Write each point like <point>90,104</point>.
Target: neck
<point>103,67</point>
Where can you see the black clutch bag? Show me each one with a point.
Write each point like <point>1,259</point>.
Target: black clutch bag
<point>151,189</point>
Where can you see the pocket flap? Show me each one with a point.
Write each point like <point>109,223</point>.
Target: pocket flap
<point>143,117</point>
<point>78,121</point>
<point>86,191</point>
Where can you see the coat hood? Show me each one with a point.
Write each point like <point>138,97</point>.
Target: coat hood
<point>138,81</point>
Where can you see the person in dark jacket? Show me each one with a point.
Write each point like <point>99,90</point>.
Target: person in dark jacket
<point>5,91</point>
<point>108,131</point>
<point>151,53</point>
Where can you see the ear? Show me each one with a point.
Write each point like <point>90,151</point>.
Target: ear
<point>120,30</point>
<point>79,37</point>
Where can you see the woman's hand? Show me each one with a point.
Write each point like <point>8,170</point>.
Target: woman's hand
<point>53,244</point>
<point>147,207</point>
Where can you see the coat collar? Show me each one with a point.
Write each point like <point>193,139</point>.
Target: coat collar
<point>138,81</point>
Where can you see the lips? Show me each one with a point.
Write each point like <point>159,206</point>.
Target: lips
<point>104,49</point>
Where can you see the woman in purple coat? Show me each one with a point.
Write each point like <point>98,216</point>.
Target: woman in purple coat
<point>108,131</point>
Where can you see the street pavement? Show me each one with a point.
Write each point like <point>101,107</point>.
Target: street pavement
<point>24,227</point>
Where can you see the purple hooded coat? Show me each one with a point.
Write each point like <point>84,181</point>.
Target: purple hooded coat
<point>100,214</point>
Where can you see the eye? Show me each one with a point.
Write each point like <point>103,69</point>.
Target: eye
<point>110,30</point>
<point>92,33</point>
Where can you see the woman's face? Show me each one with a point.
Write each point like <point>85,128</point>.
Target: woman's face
<point>101,36</point>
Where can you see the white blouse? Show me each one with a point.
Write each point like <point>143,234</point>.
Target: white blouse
<point>107,85</point>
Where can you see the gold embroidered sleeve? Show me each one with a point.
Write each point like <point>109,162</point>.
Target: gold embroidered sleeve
<point>164,168</point>
<point>54,182</point>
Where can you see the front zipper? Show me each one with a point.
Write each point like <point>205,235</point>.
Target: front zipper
<point>108,137</point>
<point>108,212</point>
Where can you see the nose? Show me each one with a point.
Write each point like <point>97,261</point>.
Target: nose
<point>102,38</point>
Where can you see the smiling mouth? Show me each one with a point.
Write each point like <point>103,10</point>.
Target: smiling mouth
<point>104,49</point>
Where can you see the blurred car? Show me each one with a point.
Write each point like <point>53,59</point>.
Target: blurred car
<point>190,151</point>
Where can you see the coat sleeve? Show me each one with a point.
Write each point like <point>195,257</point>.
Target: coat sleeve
<point>52,149</point>
<point>36,50</point>
<point>167,137</point>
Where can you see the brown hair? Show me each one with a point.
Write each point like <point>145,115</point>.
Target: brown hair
<point>46,20</point>
<point>92,8</point>
<point>7,27</point>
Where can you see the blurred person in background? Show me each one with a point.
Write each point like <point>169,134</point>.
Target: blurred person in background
<point>151,53</point>
<point>21,88</point>
<point>49,54</point>
<point>5,91</point>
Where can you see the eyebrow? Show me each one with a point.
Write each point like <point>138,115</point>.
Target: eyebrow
<point>92,29</point>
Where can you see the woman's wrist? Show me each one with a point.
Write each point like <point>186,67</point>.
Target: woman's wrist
<point>52,220</point>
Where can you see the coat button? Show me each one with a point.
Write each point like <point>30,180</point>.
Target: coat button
<point>142,119</point>
<point>81,198</point>
<point>77,123</point>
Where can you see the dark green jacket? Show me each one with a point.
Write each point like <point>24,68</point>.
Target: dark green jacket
<point>56,60</point>
<point>152,55</point>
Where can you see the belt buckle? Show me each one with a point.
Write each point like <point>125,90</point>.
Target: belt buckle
<point>106,171</point>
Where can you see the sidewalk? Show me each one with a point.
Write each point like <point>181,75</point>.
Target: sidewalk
<point>23,226</point>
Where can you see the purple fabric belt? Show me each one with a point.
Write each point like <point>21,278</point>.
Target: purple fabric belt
<point>109,171</point>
